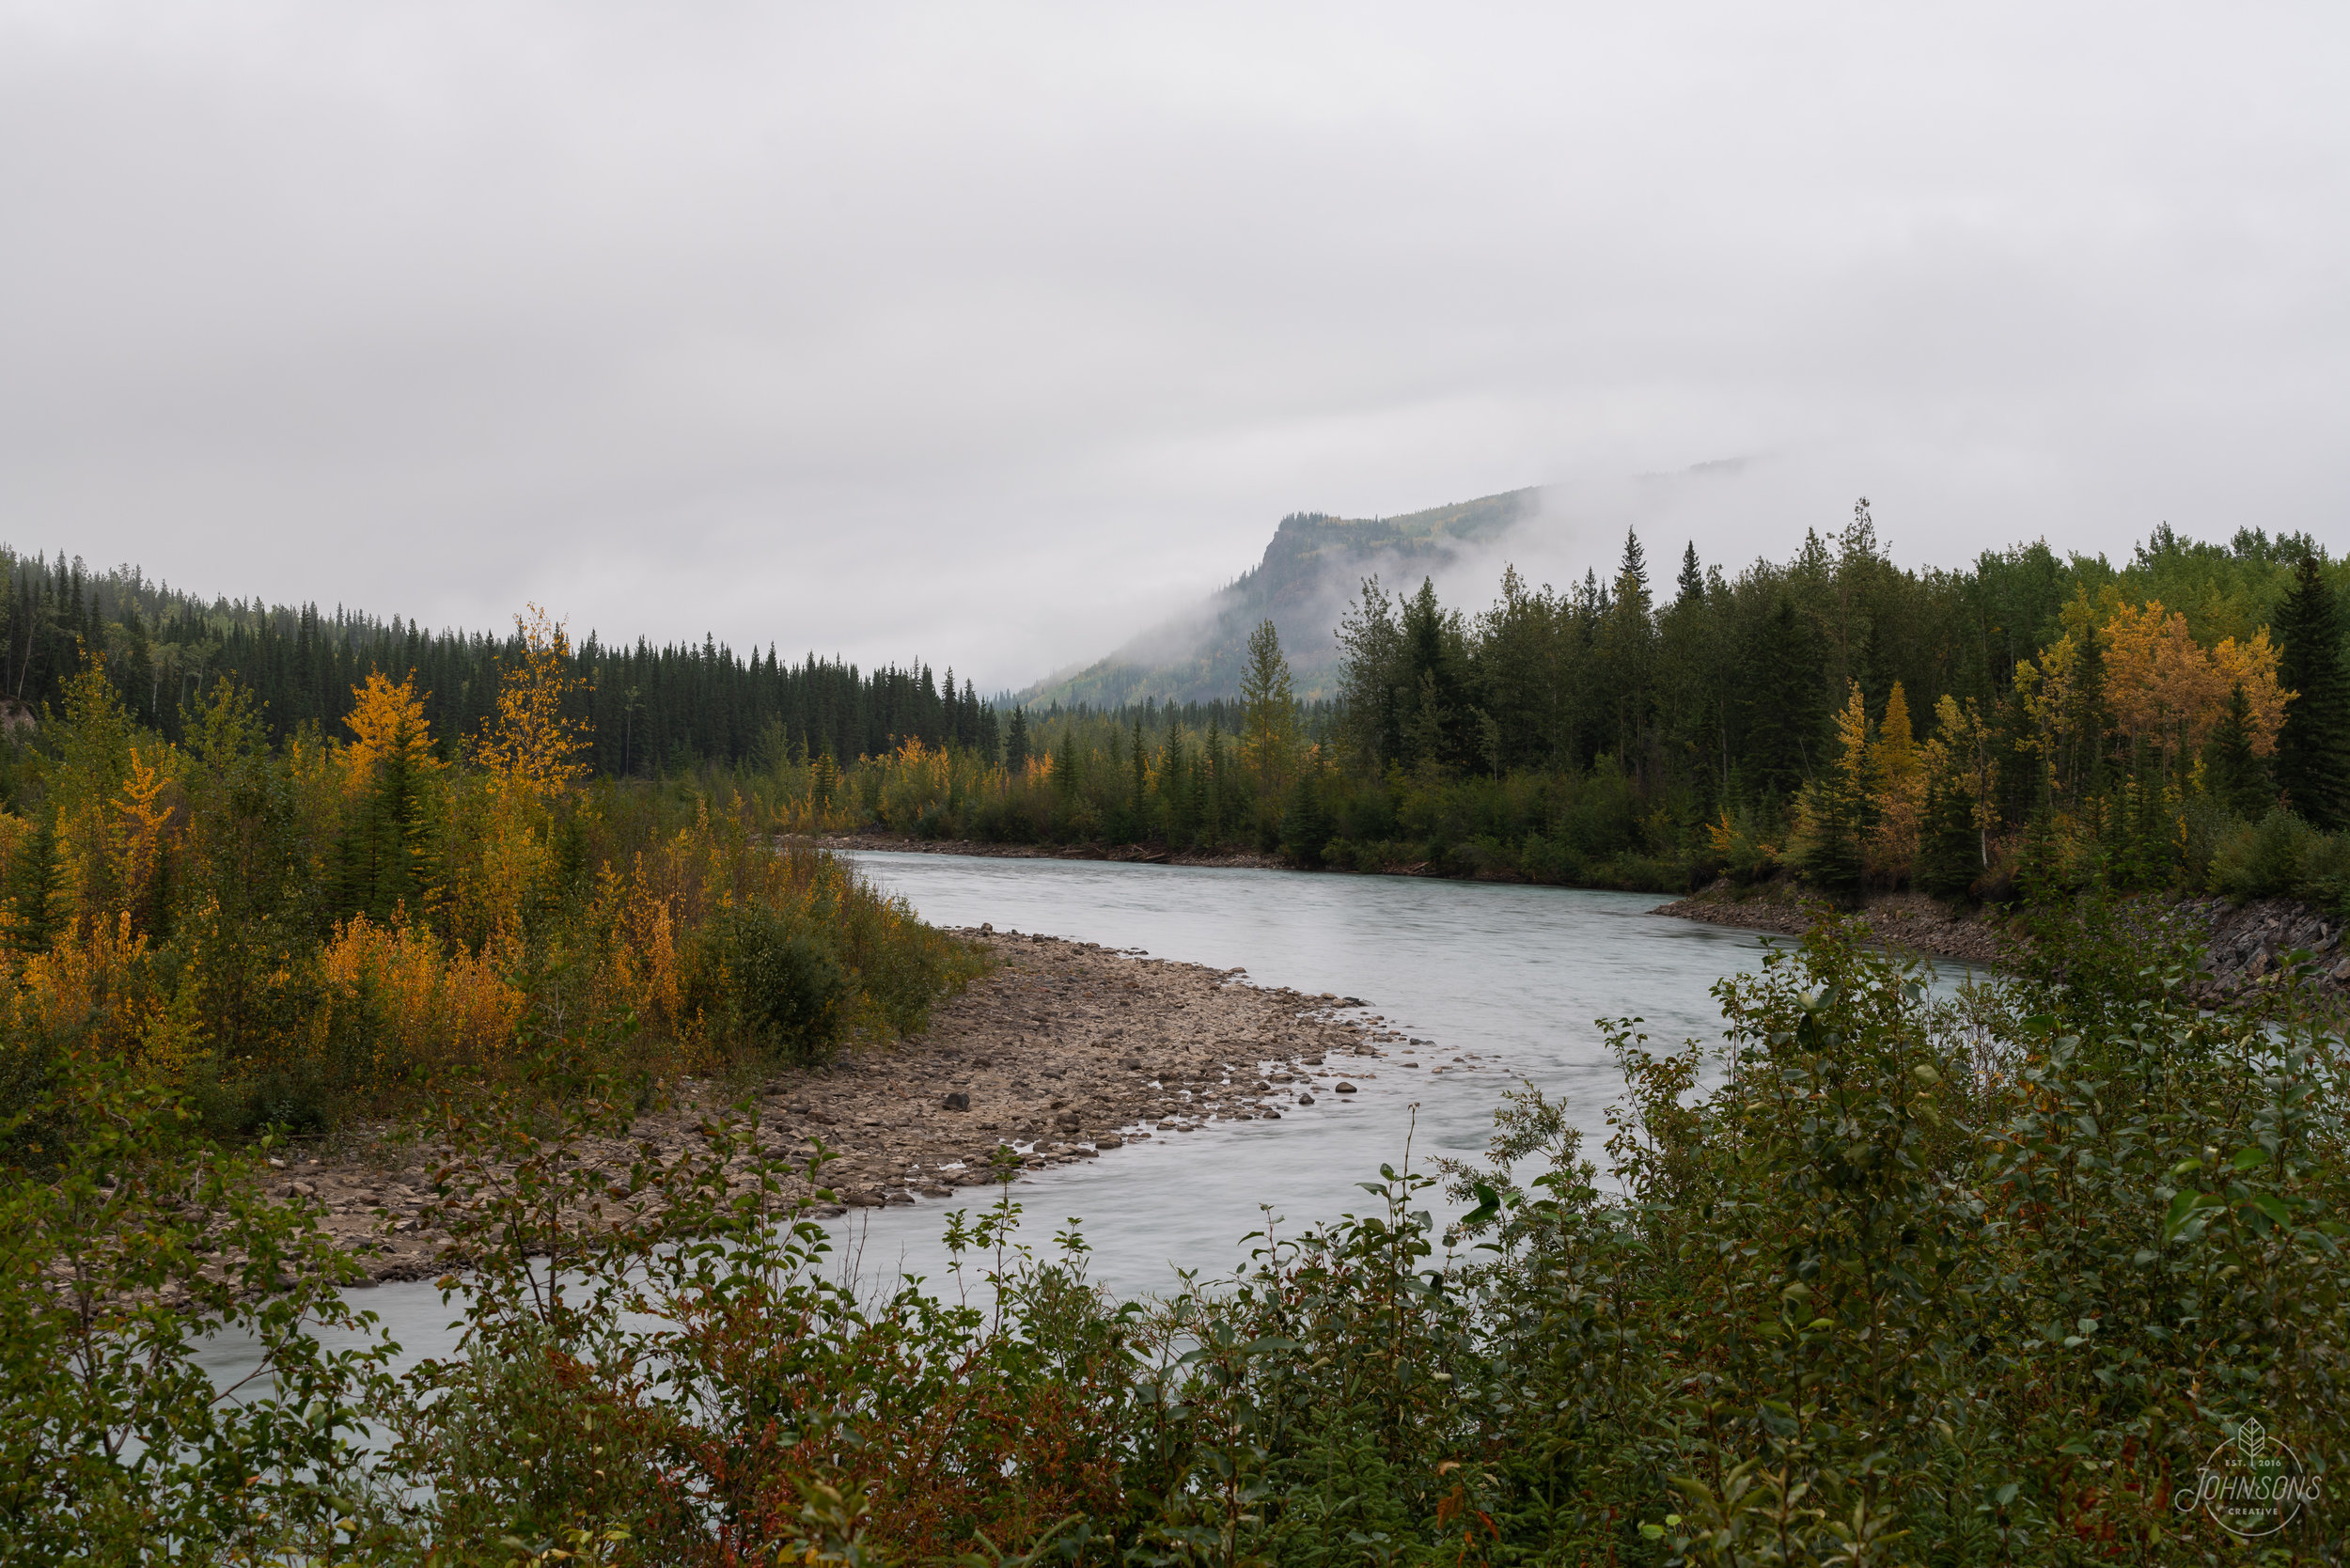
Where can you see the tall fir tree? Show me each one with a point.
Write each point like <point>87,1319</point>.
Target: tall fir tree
<point>1783,703</point>
<point>1016,743</point>
<point>1947,862</point>
<point>2234,775</point>
<point>2313,748</point>
<point>1690,588</point>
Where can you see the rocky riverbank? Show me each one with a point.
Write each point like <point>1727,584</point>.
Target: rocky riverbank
<point>2243,942</point>
<point>1064,1051</point>
<point>1911,921</point>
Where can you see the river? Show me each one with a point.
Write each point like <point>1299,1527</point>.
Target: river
<point>1509,979</point>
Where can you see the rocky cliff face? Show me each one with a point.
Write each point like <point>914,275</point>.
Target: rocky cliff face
<point>1312,569</point>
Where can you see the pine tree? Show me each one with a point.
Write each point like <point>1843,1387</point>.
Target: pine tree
<point>1783,703</point>
<point>1692,584</point>
<point>1269,710</point>
<point>1627,650</point>
<point>1207,784</point>
<point>36,879</point>
<point>1949,860</point>
<point>1836,814</point>
<point>1141,779</point>
<point>1016,743</point>
<point>2234,775</point>
<point>1305,825</point>
<point>2313,748</point>
<point>1176,800</point>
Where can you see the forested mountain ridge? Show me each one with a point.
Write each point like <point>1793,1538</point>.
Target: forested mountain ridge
<point>648,709</point>
<point>1311,570</point>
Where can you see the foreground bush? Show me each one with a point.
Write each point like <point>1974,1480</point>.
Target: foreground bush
<point>1894,1281</point>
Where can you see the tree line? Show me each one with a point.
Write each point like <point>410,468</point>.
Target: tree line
<point>649,710</point>
<point>2180,719</point>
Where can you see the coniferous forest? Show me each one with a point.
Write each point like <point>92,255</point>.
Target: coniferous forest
<point>2180,720</point>
<point>644,710</point>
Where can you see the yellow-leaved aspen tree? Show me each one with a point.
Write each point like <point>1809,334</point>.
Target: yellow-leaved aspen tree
<point>533,747</point>
<point>1897,782</point>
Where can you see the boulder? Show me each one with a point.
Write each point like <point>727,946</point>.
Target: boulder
<point>958,1100</point>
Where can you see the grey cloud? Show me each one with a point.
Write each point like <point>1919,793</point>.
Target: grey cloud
<point>992,333</point>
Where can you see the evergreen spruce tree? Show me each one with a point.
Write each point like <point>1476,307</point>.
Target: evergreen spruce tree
<point>1268,713</point>
<point>1305,825</point>
<point>2235,776</point>
<point>1691,588</point>
<point>382,863</point>
<point>1837,810</point>
<point>1948,857</point>
<point>1016,743</point>
<point>1783,703</point>
<point>2313,748</point>
<point>1141,779</point>
<point>36,879</point>
<point>1208,786</point>
<point>1176,803</point>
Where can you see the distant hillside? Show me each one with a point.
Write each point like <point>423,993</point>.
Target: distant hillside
<point>1312,572</point>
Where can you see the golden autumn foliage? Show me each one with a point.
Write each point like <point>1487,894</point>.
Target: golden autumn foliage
<point>533,747</point>
<point>2051,691</point>
<point>2253,664</point>
<point>1963,757</point>
<point>386,721</point>
<point>443,1008</point>
<point>308,929</point>
<point>2165,691</point>
<point>1897,788</point>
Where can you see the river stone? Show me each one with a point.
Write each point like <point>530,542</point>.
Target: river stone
<point>958,1101</point>
<point>1305,1099</point>
<point>1345,1088</point>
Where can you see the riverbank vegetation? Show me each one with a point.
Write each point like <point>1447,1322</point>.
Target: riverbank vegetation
<point>291,930</point>
<point>2180,722</point>
<point>1980,1281</point>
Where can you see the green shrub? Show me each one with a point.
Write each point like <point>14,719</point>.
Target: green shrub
<point>763,985</point>
<point>2325,873</point>
<point>2263,860</point>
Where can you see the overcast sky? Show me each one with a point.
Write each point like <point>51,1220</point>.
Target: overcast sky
<point>985,332</point>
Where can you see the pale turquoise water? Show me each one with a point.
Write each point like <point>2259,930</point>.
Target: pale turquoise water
<point>1516,975</point>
